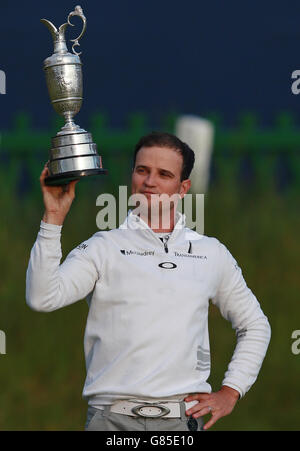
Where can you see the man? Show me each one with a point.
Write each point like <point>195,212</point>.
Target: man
<point>148,288</point>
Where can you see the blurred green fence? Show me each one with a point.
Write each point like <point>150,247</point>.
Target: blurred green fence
<point>248,154</point>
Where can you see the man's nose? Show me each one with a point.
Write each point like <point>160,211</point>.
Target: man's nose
<point>150,180</point>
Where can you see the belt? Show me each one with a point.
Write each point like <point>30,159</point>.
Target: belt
<point>150,410</point>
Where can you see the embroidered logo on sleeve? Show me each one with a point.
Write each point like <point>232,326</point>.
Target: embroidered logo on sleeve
<point>82,246</point>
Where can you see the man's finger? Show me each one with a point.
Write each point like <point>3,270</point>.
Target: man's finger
<point>73,183</point>
<point>43,175</point>
<point>45,166</point>
<point>196,396</point>
<point>71,186</point>
<point>197,407</point>
<point>204,411</point>
<point>211,422</point>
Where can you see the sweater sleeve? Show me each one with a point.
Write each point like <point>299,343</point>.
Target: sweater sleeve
<point>238,304</point>
<point>51,285</point>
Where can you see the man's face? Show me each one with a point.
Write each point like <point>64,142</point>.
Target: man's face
<point>157,171</point>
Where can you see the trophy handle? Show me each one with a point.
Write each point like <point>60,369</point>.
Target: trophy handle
<point>77,12</point>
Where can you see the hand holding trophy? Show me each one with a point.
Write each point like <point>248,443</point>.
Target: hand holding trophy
<point>73,154</point>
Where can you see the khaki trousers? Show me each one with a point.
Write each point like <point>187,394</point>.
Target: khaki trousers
<point>104,420</point>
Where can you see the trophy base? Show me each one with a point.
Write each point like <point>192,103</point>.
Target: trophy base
<point>72,156</point>
<point>67,177</point>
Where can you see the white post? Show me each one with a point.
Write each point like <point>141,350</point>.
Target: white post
<point>198,133</point>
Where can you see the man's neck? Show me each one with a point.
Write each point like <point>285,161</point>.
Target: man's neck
<point>160,224</point>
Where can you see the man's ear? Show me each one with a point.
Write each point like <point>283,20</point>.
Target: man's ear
<point>185,187</point>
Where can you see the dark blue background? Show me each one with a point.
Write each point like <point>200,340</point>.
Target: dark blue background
<point>156,56</point>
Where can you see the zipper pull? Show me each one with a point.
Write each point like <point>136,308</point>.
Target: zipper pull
<point>165,241</point>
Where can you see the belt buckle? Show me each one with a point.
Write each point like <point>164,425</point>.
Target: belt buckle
<point>164,410</point>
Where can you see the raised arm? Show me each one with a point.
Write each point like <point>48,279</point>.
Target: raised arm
<point>49,284</point>
<point>57,199</point>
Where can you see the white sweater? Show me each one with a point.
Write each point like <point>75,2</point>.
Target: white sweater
<point>146,335</point>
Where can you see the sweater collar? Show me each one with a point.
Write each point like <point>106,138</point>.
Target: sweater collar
<point>134,222</point>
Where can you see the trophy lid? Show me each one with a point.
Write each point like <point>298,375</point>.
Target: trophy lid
<point>61,58</point>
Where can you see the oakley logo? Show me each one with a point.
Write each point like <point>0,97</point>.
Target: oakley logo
<point>167,265</point>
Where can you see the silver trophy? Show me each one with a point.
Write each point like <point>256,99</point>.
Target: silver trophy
<point>73,154</point>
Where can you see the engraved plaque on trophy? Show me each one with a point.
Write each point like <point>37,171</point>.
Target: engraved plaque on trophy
<point>73,154</point>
